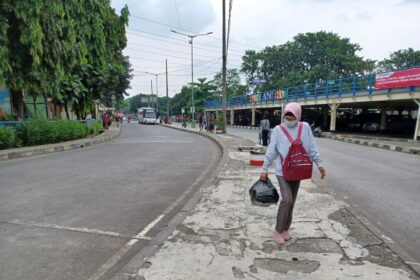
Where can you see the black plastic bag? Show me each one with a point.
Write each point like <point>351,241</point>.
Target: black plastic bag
<point>263,193</point>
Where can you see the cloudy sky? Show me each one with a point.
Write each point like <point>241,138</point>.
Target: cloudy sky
<point>379,27</point>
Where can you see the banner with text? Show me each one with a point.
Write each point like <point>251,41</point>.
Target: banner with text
<point>397,79</point>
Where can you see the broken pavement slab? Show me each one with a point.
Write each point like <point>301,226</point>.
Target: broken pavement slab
<point>226,237</point>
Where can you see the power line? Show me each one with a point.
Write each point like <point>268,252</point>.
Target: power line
<point>200,64</point>
<point>166,40</point>
<point>172,26</point>
<point>146,51</point>
<point>177,13</point>
<point>174,51</point>
<point>149,59</point>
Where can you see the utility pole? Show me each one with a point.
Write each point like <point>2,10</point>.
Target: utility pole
<point>224,65</point>
<point>157,94</point>
<point>192,80</point>
<point>151,91</point>
<point>192,64</point>
<point>167,92</point>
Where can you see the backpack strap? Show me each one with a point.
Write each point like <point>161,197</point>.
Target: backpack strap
<point>283,128</point>
<point>299,135</point>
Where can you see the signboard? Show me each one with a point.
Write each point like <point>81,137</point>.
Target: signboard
<point>403,78</point>
<point>268,96</point>
<point>258,82</point>
<point>5,107</point>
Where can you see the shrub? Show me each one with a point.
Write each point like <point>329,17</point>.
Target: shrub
<point>219,121</point>
<point>32,132</point>
<point>95,128</point>
<point>42,131</point>
<point>7,137</point>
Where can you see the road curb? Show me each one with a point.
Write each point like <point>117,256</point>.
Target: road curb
<point>368,143</point>
<point>244,127</point>
<point>212,138</point>
<point>58,147</point>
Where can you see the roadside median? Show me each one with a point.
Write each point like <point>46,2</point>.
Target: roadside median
<point>112,133</point>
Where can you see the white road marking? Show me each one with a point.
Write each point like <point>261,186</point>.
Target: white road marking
<point>389,240</point>
<point>52,226</point>
<point>126,248</point>
<point>76,229</point>
<point>154,141</point>
<point>142,234</point>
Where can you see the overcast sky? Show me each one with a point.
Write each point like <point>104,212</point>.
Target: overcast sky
<point>379,27</point>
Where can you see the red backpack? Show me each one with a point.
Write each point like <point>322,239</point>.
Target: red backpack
<point>297,165</point>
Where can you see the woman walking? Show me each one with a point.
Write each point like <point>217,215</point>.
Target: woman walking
<point>280,143</point>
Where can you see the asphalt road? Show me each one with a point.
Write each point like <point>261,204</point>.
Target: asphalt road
<point>382,185</point>
<point>72,215</point>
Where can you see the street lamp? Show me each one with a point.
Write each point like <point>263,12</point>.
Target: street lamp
<point>157,97</point>
<point>192,63</point>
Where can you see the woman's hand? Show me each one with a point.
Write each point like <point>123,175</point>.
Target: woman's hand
<point>263,176</point>
<point>323,172</point>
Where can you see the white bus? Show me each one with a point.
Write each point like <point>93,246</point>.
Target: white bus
<point>147,115</point>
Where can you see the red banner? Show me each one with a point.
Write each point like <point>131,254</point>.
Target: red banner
<point>403,78</point>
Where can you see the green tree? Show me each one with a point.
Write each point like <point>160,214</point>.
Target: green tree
<point>400,59</point>
<point>310,57</point>
<point>203,90</point>
<point>181,100</point>
<point>234,87</point>
<point>69,50</point>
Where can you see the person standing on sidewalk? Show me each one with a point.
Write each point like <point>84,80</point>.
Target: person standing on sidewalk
<point>278,149</point>
<point>105,121</point>
<point>200,122</point>
<point>265,129</point>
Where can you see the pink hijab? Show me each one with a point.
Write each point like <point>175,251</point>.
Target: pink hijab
<point>295,109</point>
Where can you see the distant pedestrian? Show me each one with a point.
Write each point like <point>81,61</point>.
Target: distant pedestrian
<point>105,121</point>
<point>205,123</point>
<point>200,122</point>
<point>280,144</point>
<point>212,121</point>
<point>264,129</point>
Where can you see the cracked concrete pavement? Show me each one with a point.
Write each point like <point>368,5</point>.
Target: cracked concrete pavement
<point>226,237</point>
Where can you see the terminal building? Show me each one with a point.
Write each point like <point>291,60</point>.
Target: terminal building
<point>375,103</point>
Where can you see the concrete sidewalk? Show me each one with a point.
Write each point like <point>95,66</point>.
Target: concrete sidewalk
<point>226,237</point>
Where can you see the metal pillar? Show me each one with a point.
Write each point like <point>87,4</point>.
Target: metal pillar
<point>417,129</point>
<point>253,116</point>
<point>325,117</point>
<point>232,117</point>
<point>383,119</point>
<point>333,121</point>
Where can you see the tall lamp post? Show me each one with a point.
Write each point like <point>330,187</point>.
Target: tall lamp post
<point>157,96</point>
<point>192,64</point>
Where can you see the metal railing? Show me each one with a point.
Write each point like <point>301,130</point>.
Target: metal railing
<point>352,86</point>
